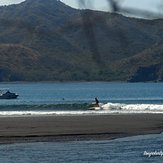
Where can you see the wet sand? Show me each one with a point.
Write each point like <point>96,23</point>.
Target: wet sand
<point>65,128</point>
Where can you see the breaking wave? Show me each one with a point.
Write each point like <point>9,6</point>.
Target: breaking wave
<point>133,108</point>
<point>79,109</point>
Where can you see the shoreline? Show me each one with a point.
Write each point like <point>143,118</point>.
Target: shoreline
<point>28,129</point>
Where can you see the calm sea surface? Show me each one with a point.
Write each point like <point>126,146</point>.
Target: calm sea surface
<point>125,150</point>
<point>74,98</point>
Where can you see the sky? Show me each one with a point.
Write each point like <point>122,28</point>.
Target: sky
<point>149,5</point>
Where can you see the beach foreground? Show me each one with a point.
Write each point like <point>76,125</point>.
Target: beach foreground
<point>65,128</point>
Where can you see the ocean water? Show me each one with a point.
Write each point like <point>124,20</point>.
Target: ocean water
<point>74,98</point>
<point>136,149</point>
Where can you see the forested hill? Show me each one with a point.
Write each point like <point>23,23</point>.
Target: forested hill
<point>48,40</point>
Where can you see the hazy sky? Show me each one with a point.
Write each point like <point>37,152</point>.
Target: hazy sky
<point>6,2</point>
<point>151,5</point>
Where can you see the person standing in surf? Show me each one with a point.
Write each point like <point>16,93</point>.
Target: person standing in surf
<point>97,102</point>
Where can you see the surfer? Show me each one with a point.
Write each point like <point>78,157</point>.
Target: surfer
<point>97,102</point>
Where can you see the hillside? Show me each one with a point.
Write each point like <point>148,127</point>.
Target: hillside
<point>48,40</point>
<point>146,66</point>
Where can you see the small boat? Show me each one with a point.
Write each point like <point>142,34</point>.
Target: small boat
<point>6,94</point>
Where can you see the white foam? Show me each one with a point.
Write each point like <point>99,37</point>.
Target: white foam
<point>133,108</point>
<point>44,113</point>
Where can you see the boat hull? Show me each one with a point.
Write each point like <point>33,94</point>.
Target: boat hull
<point>9,97</point>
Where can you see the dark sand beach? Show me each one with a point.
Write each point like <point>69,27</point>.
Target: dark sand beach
<point>65,128</point>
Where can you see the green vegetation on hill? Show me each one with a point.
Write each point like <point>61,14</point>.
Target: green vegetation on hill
<point>47,40</point>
